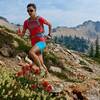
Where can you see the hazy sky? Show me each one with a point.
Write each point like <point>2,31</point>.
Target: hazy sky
<point>59,12</point>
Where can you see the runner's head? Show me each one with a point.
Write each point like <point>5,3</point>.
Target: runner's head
<point>31,9</point>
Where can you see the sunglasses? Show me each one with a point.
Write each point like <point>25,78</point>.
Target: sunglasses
<point>29,10</point>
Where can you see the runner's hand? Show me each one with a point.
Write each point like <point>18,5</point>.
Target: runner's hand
<point>49,36</point>
<point>19,32</point>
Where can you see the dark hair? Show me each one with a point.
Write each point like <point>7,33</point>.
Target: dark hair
<point>31,4</point>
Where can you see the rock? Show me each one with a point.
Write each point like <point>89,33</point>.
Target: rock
<point>5,51</point>
<point>58,87</point>
<point>93,94</point>
<point>2,63</point>
<point>28,60</point>
<point>87,68</point>
<point>22,54</point>
<point>55,69</point>
<point>56,50</point>
<point>15,44</point>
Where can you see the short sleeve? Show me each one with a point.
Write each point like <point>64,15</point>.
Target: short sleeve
<point>43,21</point>
<point>25,25</point>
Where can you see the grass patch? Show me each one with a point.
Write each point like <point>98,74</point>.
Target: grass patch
<point>97,59</point>
<point>82,62</point>
<point>22,46</point>
<point>87,69</point>
<point>5,39</point>
<point>64,77</point>
<point>97,79</point>
<point>7,29</point>
<point>51,59</point>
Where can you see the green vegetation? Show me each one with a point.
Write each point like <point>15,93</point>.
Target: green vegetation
<point>64,77</point>
<point>51,59</point>
<point>82,62</point>
<point>91,52</point>
<point>97,52</point>
<point>74,43</point>
<point>7,29</point>
<point>19,88</point>
<point>7,39</point>
<point>87,69</point>
<point>94,52</point>
<point>22,46</point>
<point>96,59</point>
<point>97,79</point>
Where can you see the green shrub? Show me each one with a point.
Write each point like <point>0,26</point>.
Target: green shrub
<point>7,29</point>
<point>82,62</point>
<point>19,88</point>
<point>22,46</point>
<point>51,59</point>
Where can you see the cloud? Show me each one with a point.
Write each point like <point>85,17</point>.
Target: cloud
<point>71,12</point>
<point>59,12</point>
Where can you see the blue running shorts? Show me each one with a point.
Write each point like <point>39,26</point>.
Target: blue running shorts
<point>41,45</point>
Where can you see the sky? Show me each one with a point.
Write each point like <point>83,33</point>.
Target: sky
<point>68,13</point>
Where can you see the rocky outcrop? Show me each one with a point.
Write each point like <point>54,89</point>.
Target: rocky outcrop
<point>74,67</point>
<point>10,43</point>
<point>89,30</point>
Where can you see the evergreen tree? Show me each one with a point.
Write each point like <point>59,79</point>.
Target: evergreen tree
<point>74,43</point>
<point>97,52</point>
<point>91,53</point>
<point>55,39</point>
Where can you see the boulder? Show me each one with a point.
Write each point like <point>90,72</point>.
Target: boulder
<point>55,69</point>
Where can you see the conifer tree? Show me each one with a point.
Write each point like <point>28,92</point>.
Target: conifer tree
<point>91,53</point>
<point>97,51</point>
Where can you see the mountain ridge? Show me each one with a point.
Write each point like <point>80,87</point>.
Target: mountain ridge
<point>88,29</point>
<point>5,23</point>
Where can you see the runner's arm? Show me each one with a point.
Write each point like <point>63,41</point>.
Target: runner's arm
<point>49,27</point>
<point>21,33</point>
<point>44,21</point>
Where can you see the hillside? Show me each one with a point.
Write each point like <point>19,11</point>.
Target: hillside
<point>5,23</point>
<point>89,30</point>
<point>78,75</point>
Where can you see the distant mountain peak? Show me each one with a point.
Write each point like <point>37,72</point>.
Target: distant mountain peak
<point>88,29</point>
<point>3,18</point>
<point>5,23</point>
<point>88,22</point>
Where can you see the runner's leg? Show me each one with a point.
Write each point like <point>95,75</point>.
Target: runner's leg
<point>42,62</point>
<point>33,54</point>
